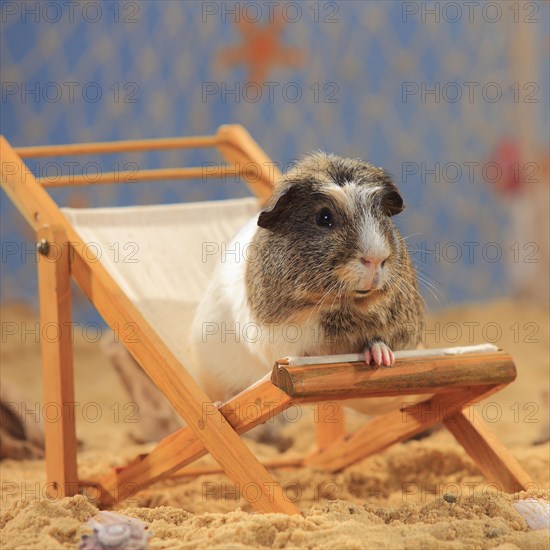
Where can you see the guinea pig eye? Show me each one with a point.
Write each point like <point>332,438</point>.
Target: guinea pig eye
<point>324,218</point>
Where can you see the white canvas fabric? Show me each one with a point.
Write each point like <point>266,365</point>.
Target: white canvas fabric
<point>162,256</point>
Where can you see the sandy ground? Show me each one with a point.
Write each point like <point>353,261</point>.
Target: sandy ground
<point>392,500</point>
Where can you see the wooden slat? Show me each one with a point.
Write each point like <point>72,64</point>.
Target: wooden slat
<point>149,350</point>
<point>123,146</point>
<point>387,429</point>
<point>490,455</point>
<point>57,363</point>
<point>237,146</point>
<point>138,176</point>
<point>330,422</point>
<point>243,412</point>
<point>408,376</point>
<point>215,469</point>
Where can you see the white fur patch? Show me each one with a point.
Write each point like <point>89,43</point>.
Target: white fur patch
<point>372,241</point>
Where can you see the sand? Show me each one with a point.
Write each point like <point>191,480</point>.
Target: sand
<point>420,494</point>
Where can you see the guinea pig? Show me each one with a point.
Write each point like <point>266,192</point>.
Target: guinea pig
<point>326,271</point>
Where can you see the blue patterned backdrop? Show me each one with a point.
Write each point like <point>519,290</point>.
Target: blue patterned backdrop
<point>349,77</point>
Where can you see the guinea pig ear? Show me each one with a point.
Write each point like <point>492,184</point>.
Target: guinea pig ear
<point>270,216</point>
<point>392,202</point>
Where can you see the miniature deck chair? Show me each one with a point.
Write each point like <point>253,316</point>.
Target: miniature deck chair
<point>149,305</point>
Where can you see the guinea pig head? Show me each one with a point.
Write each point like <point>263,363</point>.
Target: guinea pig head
<point>328,233</point>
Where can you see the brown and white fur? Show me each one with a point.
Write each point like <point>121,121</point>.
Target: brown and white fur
<point>326,271</point>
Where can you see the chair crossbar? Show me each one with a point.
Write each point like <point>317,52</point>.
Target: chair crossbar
<point>138,176</point>
<point>414,375</point>
<point>122,146</point>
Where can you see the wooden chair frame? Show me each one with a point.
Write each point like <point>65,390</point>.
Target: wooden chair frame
<point>455,382</point>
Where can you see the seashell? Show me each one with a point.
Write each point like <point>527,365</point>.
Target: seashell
<point>114,535</point>
<point>116,532</point>
<point>535,512</point>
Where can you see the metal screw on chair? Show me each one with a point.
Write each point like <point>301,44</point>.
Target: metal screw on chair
<point>43,247</point>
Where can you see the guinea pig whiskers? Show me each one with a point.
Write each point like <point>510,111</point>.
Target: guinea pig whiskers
<point>427,275</point>
<point>338,294</point>
<point>321,282</point>
<point>409,236</point>
<point>319,304</point>
<point>427,285</point>
<point>418,260</point>
<point>403,285</point>
<point>427,278</point>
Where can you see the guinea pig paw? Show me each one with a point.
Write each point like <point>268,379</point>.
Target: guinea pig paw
<point>380,354</point>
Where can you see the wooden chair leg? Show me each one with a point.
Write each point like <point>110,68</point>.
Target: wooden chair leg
<point>57,361</point>
<point>490,455</point>
<point>330,422</point>
<point>387,429</point>
<point>243,412</point>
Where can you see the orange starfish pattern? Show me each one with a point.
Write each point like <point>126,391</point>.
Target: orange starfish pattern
<point>261,48</point>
